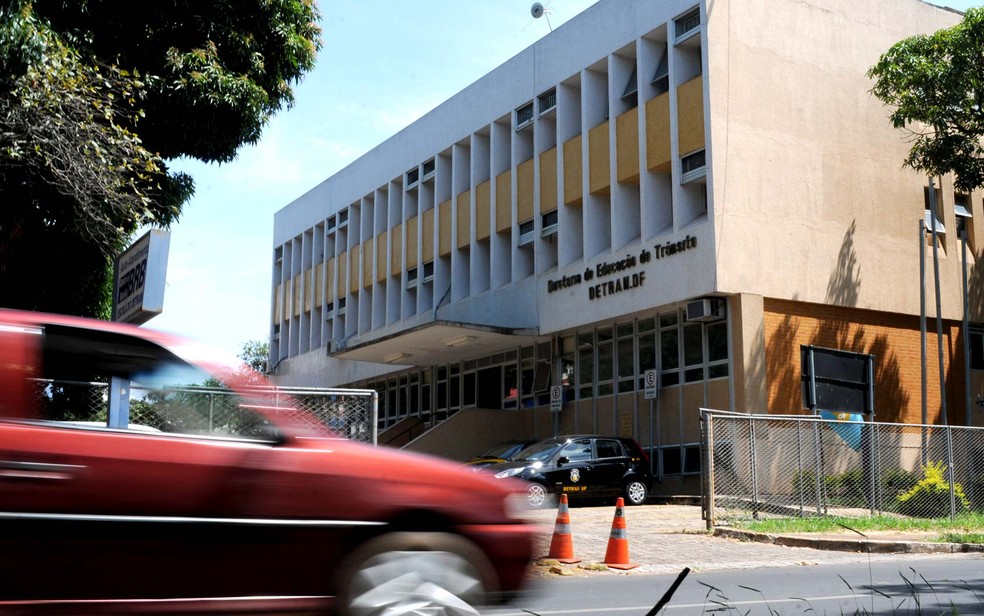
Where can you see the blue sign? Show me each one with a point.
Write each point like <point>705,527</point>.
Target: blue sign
<point>847,426</point>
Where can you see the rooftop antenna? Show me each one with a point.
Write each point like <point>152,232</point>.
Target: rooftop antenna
<point>538,11</point>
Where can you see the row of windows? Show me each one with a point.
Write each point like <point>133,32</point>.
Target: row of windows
<point>594,363</point>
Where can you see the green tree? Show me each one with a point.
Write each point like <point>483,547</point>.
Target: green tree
<point>255,353</point>
<point>95,100</point>
<point>936,84</point>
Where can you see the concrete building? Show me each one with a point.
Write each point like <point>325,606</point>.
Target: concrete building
<point>693,188</point>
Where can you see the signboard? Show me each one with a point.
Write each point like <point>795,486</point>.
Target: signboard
<point>837,381</point>
<point>139,276</point>
<point>556,398</point>
<point>652,385</point>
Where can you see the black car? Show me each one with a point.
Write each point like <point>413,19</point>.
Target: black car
<point>581,466</point>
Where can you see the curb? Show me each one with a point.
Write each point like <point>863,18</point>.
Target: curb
<point>870,546</point>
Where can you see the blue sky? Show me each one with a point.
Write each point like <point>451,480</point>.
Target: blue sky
<point>383,65</point>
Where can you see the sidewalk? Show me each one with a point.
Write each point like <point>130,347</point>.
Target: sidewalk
<point>667,538</point>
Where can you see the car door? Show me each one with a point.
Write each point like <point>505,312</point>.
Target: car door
<point>609,466</point>
<point>571,471</point>
<point>92,512</point>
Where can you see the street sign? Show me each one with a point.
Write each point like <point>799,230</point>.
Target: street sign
<point>556,398</point>
<point>651,381</point>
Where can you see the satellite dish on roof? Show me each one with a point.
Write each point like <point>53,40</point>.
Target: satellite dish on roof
<point>538,11</point>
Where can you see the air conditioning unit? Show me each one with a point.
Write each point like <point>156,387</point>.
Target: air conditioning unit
<point>707,309</point>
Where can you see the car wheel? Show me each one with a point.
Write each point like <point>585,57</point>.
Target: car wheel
<point>415,573</point>
<point>536,495</point>
<point>635,492</point>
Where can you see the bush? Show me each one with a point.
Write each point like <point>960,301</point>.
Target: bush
<point>930,497</point>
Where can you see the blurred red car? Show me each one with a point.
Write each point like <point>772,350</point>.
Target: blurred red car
<point>269,515</point>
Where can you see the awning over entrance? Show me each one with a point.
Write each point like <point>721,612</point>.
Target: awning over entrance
<point>440,342</point>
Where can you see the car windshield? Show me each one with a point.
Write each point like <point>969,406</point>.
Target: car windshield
<point>500,450</point>
<point>538,451</point>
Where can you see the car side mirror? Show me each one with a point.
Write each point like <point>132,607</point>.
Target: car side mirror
<point>562,460</point>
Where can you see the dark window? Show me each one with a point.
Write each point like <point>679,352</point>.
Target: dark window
<point>608,449</point>
<point>671,460</point>
<point>577,451</point>
<point>977,349</point>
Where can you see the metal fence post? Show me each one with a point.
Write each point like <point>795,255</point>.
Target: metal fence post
<point>751,446</point>
<point>872,466</point>
<point>800,479</point>
<point>949,470</point>
<point>709,435</point>
<point>818,455</point>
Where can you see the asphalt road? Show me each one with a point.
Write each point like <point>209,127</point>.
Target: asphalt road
<point>927,585</point>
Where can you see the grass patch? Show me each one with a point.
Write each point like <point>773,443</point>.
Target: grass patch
<point>961,537</point>
<point>969,525</point>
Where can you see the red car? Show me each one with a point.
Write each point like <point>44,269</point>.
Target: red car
<point>268,515</point>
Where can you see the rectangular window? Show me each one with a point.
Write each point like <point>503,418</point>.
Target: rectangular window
<point>526,232</point>
<point>687,25</point>
<point>524,116</point>
<point>411,277</point>
<point>547,101</point>
<point>693,353</point>
<point>585,365</point>
<point>693,166</point>
<point>928,210</point>
<point>631,93</point>
<point>428,271</point>
<point>510,386</point>
<point>605,362</point>
<point>669,352</point>
<point>413,176</point>
<point>661,79</point>
<point>343,218</point>
<point>977,349</point>
<point>341,305</point>
<point>330,225</point>
<point>549,224</point>
<point>671,462</point>
<point>428,169</point>
<point>964,217</point>
<point>691,460</point>
<point>717,350</point>
<point>626,358</point>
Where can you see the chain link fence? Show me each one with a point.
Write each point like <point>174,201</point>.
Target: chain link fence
<point>781,466</point>
<point>350,413</point>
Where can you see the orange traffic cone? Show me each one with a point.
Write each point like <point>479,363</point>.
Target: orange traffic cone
<point>617,555</point>
<point>561,545</point>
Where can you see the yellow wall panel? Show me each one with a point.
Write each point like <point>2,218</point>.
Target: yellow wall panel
<point>503,201</point>
<point>381,261</point>
<point>367,254</point>
<point>573,191</point>
<point>463,206</point>
<point>278,303</point>
<point>412,242</point>
<point>396,250</point>
<point>658,133</point>
<point>319,283</point>
<point>690,115</point>
<point>330,291</point>
<point>483,210</point>
<point>354,277</point>
<point>427,236</point>
<point>548,181</point>
<point>444,228</point>
<point>342,273</point>
<point>296,294</point>
<point>627,146</point>
<point>524,191</point>
<point>599,160</point>
<point>308,291</point>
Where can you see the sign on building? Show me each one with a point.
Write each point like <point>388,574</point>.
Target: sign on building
<point>139,277</point>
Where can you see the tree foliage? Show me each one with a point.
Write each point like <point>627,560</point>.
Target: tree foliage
<point>97,96</point>
<point>936,84</point>
<point>255,353</point>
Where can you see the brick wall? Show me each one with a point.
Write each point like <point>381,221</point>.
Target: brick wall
<point>892,338</point>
